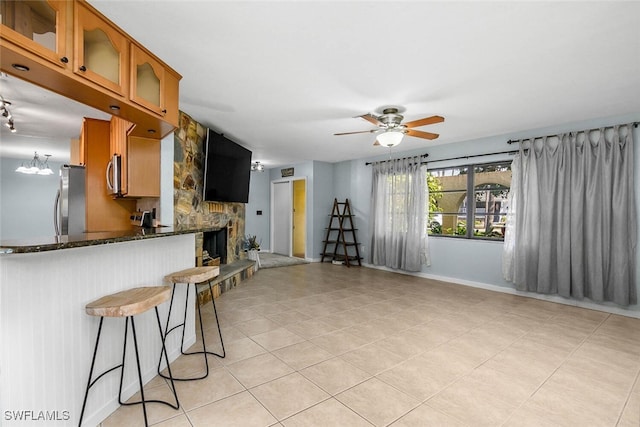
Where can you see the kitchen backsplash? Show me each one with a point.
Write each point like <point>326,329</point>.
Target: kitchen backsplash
<point>149,204</point>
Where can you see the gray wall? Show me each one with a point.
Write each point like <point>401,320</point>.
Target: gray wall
<point>259,199</point>
<point>26,201</point>
<point>323,196</point>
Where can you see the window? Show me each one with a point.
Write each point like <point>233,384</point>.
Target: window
<point>469,201</point>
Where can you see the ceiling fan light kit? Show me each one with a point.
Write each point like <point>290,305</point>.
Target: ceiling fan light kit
<point>391,129</point>
<point>390,137</point>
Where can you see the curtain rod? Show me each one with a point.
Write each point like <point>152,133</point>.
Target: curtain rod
<point>472,155</point>
<point>403,158</point>
<point>513,141</point>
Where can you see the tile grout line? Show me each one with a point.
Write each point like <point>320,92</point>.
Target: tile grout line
<point>629,394</point>
<point>558,367</point>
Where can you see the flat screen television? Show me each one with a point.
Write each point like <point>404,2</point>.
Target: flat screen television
<point>227,170</point>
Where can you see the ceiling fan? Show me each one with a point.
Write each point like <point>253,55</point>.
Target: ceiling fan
<point>391,130</point>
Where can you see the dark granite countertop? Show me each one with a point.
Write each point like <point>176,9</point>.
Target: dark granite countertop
<point>53,243</point>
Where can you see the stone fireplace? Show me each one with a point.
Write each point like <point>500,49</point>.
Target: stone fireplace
<point>214,246</point>
<point>189,208</point>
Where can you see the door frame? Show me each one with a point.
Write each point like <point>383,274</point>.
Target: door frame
<point>273,213</point>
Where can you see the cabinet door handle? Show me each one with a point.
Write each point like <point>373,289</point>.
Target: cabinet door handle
<point>83,68</point>
<point>164,111</point>
<point>64,59</point>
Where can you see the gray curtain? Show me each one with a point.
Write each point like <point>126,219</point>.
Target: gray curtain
<point>397,226</point>
<point>573,229</point>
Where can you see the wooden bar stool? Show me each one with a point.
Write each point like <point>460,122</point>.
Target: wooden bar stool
<point>195,276</point>
<point>127,304</point>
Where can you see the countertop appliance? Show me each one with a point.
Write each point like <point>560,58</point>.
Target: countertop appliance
<point>142,218</point>
<point>114,175</point>
<point>69,210</point>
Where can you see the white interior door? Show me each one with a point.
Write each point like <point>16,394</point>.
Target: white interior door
<point>281,215</point>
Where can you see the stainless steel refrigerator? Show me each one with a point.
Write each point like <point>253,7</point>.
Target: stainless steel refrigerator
<point>69,211</point>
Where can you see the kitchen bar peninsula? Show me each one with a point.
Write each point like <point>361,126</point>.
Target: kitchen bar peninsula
<point>47,340</point>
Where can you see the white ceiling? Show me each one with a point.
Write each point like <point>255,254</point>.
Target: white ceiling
<point>281,77</point>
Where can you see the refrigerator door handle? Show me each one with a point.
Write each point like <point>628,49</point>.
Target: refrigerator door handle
<point>109,167</point>
<point>56,225</point>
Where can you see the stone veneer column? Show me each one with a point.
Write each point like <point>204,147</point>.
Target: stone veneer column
<point>189,208</point>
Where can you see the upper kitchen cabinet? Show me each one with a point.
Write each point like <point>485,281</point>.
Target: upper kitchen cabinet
<point>143,167</point>
<point>101,51</point>
<point>153,86</point>
<point>139,160</point>
<point>96,63</point>
<point>39,26</point>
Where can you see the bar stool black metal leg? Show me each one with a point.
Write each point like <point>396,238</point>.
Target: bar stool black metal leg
<point>184,320</point>
<point>215,312</point>
<point>93,361</point>
<point>135,346</point>
<point>166,328</point>
<point>204,343</point>
<point>166,356</point>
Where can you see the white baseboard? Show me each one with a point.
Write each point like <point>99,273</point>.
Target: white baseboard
<point>604,307</point>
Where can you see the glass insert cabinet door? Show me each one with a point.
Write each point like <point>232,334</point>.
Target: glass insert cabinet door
<point>39,26</point>
<point>101,52</point>
<point>147,81</point>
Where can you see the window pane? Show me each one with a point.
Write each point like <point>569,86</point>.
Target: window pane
<point>448,201</point>
<point>446,211</point>
<point>450,179</point>
<point>487,226</point>
<point>491,190</point>
<point>448,225</point>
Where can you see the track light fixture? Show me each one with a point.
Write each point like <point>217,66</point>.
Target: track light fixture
<point>7,114</point>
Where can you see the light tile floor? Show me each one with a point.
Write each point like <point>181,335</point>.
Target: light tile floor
<point>324,345</point>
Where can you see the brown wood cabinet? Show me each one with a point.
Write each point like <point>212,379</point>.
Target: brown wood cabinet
<point>86,57</point>
<point>104,213</point>
<point>39,26</point>
<point>143,165</point>
<point>101,51</point>
<point>152,85</point>
<point>140,160</point>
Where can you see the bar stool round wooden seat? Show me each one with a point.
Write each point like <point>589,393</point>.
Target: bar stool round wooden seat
<point>195,276</point>
<point>127,304</point>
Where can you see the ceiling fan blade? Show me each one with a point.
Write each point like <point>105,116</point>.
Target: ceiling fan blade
<point>360,131</point>
<point>371,119</point>
<point>421,134</point>
<point>426,121</point>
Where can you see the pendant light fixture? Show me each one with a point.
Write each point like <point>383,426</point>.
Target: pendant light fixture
<point>36,166</point>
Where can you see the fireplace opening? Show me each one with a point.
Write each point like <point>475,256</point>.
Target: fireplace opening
<point>215,243</point>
